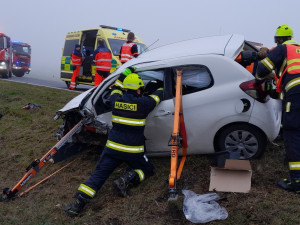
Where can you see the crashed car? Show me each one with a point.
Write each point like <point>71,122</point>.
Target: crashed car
<point>223,107</point>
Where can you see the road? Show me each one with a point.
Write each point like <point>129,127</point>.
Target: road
<point>58,84</point>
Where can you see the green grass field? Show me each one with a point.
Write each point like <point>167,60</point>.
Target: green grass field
<point>28,134</point>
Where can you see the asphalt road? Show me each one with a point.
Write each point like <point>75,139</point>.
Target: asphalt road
<point>58,84</point>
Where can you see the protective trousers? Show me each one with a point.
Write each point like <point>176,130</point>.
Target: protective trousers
<point>74,76</point>
<point>291,133</point>
<point>109,160</point>
<point>100,76</point>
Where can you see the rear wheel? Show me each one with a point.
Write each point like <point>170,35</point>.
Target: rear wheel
<point>68,84</point>
<point>244,139</point>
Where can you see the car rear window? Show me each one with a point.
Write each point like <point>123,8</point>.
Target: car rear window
<point>194,78</point>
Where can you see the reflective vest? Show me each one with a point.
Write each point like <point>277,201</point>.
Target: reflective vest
<point>126,54</point>
<point>76,60</point>
<point>103,61</point>
<point>291,65</point>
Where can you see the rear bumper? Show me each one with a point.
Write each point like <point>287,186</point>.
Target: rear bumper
<point>267,117</point>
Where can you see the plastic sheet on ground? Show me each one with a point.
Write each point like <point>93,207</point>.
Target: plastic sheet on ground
<point>202,208</point>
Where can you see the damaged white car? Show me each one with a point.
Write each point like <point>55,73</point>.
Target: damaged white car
<point>223,108</point>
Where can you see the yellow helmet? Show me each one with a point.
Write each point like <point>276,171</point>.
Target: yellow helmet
<point>284,31</point>
<point>133,82</point>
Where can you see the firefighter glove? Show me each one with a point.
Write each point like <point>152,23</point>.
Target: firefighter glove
<point>129,70</point>
<point>262,53</point>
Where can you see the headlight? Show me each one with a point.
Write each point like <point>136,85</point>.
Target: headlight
<point>3,66</point>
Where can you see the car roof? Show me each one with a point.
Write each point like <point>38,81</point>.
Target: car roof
<point>227,45</point>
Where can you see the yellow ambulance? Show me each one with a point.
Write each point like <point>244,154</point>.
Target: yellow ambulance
<point>114,38</point>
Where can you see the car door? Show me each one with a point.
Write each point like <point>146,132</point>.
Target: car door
<point>159,123</point>
<point>195,79</point>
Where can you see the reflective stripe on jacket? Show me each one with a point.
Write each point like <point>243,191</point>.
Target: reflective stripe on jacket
<point>126,54</point>
<point>129,112</point>
<point>103,58</point>
<point>76,60</point>
<point>291,65</point>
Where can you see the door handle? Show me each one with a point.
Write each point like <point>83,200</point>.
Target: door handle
<point>162,113</point>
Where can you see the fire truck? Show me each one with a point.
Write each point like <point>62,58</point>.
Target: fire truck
<point>5,56</point>
<point>21,58</point>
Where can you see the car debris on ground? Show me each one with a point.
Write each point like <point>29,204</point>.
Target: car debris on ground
<point>31,106</point>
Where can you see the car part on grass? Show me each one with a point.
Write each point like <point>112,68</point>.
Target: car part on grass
<point>37,164</point>
<point>244,139</point>
<point>31,106</point>
<point>178,137</point>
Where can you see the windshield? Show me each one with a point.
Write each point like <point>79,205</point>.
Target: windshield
<point>1,42</point>
<point>22,50</point>
<point>116,45</point>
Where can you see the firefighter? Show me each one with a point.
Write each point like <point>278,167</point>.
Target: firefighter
<point>249,59</point>
<point>102,59</point>
<point>129,49</point>
<point>76,58</point>
<point>285,60</point>
<point>125,141</point>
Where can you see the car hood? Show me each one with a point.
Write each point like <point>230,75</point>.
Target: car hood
<point>75,102</point>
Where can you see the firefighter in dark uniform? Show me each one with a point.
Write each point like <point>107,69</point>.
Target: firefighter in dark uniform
<point>129,49</point>
<point>125,141</point>
<point>285,60</point>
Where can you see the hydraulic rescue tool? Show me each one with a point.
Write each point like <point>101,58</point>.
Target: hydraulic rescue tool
<point>36,165</point>
<point>178,139</point>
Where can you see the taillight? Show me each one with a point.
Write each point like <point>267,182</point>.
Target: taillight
<point>256,91</point>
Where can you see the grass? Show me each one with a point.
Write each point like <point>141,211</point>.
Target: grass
<point>28,134</point>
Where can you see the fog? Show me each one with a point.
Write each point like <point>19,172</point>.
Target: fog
<point>44,24</point>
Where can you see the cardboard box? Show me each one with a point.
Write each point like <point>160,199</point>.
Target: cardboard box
<point>234,177</point>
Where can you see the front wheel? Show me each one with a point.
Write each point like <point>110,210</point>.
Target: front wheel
<point>244,139</point>
<point>19,74</point>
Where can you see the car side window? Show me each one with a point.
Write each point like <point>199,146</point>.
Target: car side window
<point>153,79</point>
<point>194,78</point>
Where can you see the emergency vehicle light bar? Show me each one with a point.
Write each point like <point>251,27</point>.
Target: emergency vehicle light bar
<point>114,28</point>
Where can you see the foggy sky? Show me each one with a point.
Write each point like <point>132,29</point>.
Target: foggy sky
<point>44,23</point>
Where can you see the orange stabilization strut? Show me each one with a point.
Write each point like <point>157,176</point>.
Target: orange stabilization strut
<point>178,139</point>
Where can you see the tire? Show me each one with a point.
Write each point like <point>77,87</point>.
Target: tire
<point>68,84</point>
<point>5,75</point>
<point>19,74</point>
<point>244,139</point>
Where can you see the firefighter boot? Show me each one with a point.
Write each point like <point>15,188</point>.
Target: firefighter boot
<point>289,185</point>
<point>121,184</point>
<point>75,207</point>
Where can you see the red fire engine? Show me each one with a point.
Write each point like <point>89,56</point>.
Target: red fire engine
<point>21,58</point>
<point>5,56</point>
